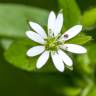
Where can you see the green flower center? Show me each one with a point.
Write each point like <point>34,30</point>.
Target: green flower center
<point>52,43</point>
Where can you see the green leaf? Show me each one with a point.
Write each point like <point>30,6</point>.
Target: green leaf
<point>70,91</point>
<point>92,91</point>
<point>16,55</point>
<point>84,64</point>
<point>6,43</point>
<point>89,18</point>
<point>14,19</point>
<point>80,39</point>
<point>71,12</point>
<point>92,52</point>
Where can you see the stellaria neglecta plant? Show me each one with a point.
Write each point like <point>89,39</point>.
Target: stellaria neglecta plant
<point>54,43</point>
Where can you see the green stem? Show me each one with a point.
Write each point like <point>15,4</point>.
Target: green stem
<point>90,81</point>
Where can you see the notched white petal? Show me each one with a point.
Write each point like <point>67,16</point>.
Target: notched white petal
<point>74,48</point>
<point>35,51</point>
<point>42,59</point>
<point>72,32</point>
<point>57,61</point>
<point>51,22</point>
<point>35,37</point>
<point>66,59</point>
<point>37,28</point>
<point>58,24</point>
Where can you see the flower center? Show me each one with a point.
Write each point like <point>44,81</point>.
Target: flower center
<point>53,43</point>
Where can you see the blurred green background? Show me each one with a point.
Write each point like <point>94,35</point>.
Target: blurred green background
<point>13,23</point>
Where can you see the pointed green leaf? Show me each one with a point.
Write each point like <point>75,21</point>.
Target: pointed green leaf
<point>14,19</point>
<point>16,55</point>
<point>88,19</point>
<point>71,12</point>
<point>80,39</point>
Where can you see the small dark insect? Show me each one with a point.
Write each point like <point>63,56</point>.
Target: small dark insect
<point>66,36</point>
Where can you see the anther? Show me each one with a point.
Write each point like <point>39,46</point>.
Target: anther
<point>50,30</point>
<point>66,48</point>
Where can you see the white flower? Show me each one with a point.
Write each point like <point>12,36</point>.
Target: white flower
<point>54,43</point>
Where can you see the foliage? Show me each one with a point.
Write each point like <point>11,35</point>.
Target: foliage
<point>18,72</point>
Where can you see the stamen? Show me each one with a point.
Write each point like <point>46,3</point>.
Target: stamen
<point>50,33</point>
<point>66,48</point>
<point>50,30</point>
<point>52,41</point>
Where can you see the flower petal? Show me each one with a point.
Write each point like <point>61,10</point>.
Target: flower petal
<point>37,28</point>
<point>74,48</point>
<point>66,59</point>
<point>35,37</point>
<point>72,32</point>
<point>42,59</point>
<point>35,51</point>
<point>57,61</point>
<point>51,22</point>
<point>58,24</point>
